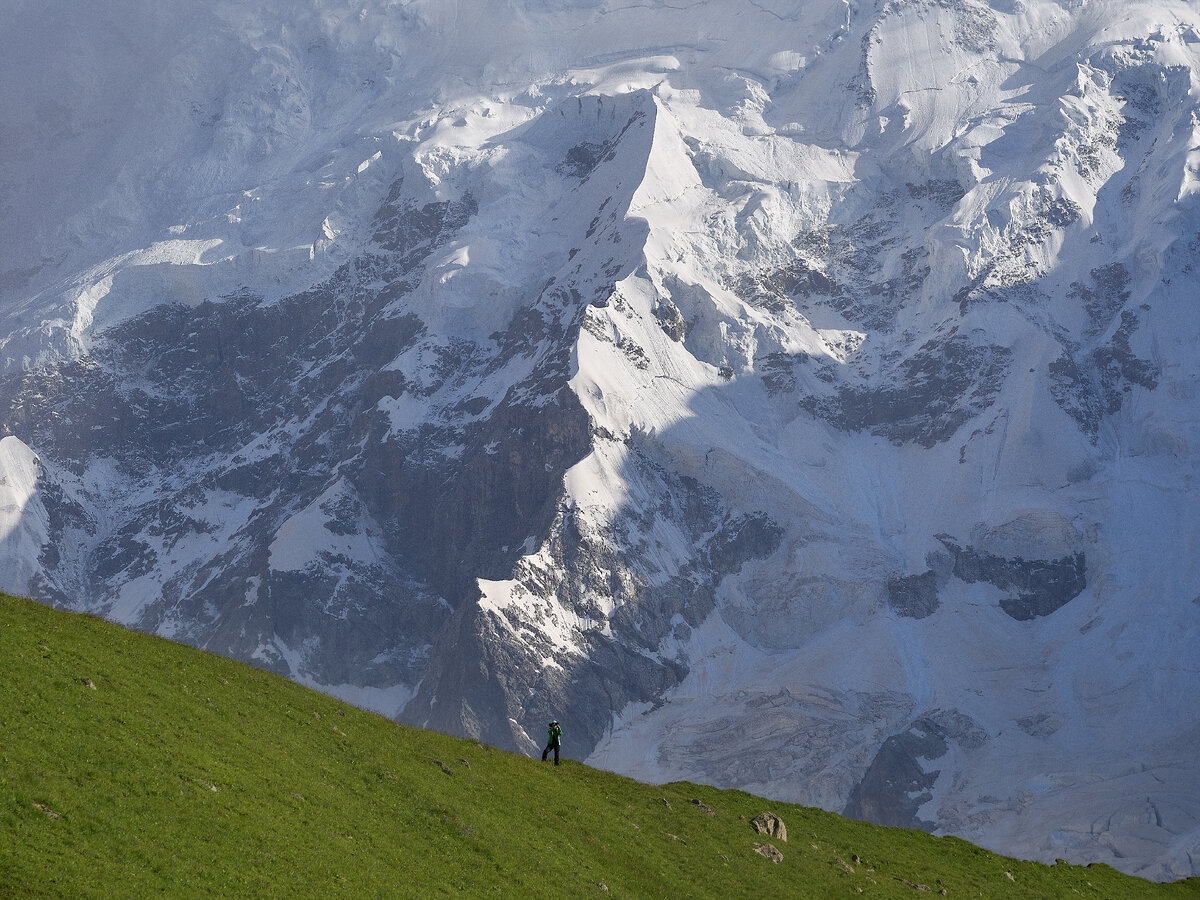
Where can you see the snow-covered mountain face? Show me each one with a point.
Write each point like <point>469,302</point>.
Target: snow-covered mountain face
<point>799,395</point>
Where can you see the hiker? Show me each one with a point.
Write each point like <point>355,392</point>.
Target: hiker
<point>554,739</point>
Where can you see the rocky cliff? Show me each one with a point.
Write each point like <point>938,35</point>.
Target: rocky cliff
<point>798,396</point>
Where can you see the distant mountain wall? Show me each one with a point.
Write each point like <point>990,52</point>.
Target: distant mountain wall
<point>793,396</point>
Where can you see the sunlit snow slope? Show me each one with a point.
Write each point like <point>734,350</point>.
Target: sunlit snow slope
<point>800,396</point>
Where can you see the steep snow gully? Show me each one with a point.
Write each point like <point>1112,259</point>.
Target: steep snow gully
<point>797,396</point>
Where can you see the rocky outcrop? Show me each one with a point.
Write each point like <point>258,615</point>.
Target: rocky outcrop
<point>1043,586</point>
<point>914,596</point>
<point>769,824</point>
<point>770,851</point>
<point>899,781</point>
<point>929,395</point>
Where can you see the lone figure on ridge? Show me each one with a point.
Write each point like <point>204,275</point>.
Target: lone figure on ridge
<point>553,741</point>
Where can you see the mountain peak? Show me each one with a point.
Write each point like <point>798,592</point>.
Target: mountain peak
<point>816,379</point>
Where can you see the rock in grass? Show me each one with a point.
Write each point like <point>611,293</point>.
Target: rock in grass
<point>769,823</point>
<point>770,852</point>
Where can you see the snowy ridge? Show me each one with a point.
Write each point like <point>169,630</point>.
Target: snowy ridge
<point>795,396</point>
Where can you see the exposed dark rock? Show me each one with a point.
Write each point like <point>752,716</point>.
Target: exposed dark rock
<point>634,353</point>
<point>799,279</point>
<point>1043,586</point>
<point>1146,91</point>
<point>126,554</point>
<point>582,159</point>
<point>739,540</point>
<point>942,194</point>
<point>455,519</point>
<point>670,319</point>
<point>412,232</point>
<point>1060,213</point>
<point>586,157</point>
<point>519,690</point>
<point>1105,297</point>
<point>958,727</point>
<point>896,785</point>
<point>1077,397</point>
<point>897,782</point>
<point>1120,368</point>
<point>1090,386</point>
<point>926,397</point>
<point>1040,725</point>
<point>778,372</point>
<point>914,596</point>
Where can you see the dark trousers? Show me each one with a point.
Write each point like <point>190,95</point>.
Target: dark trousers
<point>553,745</point>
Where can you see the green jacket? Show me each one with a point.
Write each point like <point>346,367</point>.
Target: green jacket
<point>554,733</point>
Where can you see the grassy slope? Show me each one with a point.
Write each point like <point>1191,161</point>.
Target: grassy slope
<point>190,774</point>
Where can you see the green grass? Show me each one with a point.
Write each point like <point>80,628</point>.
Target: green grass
<point>186,774</point>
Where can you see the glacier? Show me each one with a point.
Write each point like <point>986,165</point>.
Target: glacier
<point>795,395</point>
